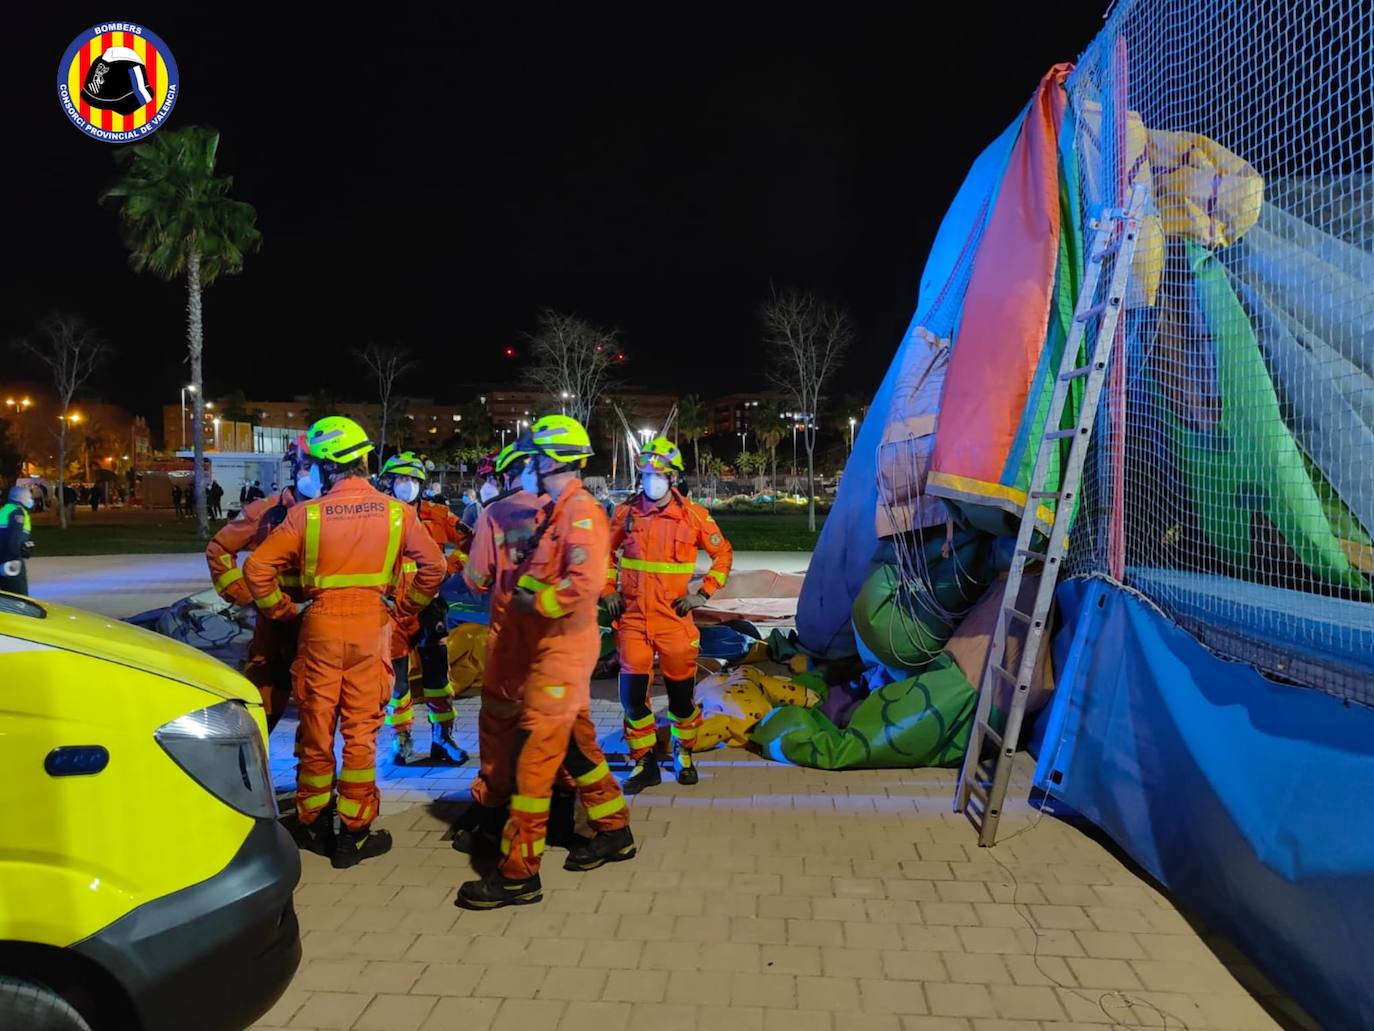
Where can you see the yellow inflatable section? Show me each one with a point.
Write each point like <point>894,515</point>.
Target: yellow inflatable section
<point>733,702</point>
<point>467,654</point>
<point>1205,192</point>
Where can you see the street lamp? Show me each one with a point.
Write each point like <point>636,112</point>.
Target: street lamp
<point>851,434</point>
<point>192,388</point>
<point>215,420</point>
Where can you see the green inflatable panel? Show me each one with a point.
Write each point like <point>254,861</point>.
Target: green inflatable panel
<point>921,721</point>
<point>900,622</point>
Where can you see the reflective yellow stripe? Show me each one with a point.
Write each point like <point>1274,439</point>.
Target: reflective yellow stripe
<point>289,580</point>
<point>418,597</point>
<point>442,717</point>
<point>641,723</point>
<point>312,553</point>
<point>528,804</point>
<point>358,776</point>
<point>529,583</point>
<point>316,780</point>
<point>462,557</point>
<point>717,576</point>
<point>408,566</point>
<point>313,802</point>
<point>598,772</point>
<point>605,809</point>
<point>349,806</point>
<point>312,543</point>
<point>269,601</point>
<point>640,565</point>
<point>642,742</point>
<point>547,603</point>
<point>684,735</point>
<point>439,692</point>
<point>528,851</point>
<point>401,717</point>
<point>225,579</point>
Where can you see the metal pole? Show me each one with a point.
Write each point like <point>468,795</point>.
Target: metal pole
<point>183,418</point>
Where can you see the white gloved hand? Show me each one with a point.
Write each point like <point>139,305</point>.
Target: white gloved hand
<point>12,568</point>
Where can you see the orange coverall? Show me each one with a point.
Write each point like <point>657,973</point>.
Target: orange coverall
<point>658,554</point>
<point>559,643</point>
<point>425,631</point>
<point>503,530</point>
<point>347,546</point>
<point>273,647</point>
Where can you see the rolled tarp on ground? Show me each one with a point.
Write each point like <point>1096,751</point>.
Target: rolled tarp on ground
<point>844,553</point>
<point>920,721</point>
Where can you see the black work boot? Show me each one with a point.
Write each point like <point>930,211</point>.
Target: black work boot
<point>683,767</point>
<point>442,747</point>
<point>317,836</point>
<point>352,847</point>
<point>478,830</point>
<point>494,891</point>
<point>646,775</point>
<point>604,847</point>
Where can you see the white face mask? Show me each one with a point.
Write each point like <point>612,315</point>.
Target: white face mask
<point>529,479</point>
<point>406,489</point>
<point>655,486</point>
<point>489,490</point>
<point>308,483</point>
<point>28,501</point>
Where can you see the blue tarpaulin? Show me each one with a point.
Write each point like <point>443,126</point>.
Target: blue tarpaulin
<point>1250,800</point>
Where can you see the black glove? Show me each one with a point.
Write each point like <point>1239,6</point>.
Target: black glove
<point>615,605</point>
<point>29,547</point>
<point>688,602</point>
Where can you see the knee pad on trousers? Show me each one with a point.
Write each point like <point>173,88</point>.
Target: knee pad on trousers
<point>634,695</point>
<point>680,704</point>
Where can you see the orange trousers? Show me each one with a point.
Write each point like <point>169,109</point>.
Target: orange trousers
<point>556,730</point>
<point>342,680</point>
<point>271,653</point>
<point>677,642</point>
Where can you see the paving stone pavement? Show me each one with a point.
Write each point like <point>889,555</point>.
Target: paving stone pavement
<point>766,898</point>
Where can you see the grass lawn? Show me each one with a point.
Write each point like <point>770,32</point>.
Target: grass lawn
<point>147,533</point>
<point>766,531</point>
<point>144,537</point>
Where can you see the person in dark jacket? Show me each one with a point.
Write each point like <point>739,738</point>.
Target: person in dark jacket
<point>176,499</point>
<point>16,543</point>
<point>215,497</point>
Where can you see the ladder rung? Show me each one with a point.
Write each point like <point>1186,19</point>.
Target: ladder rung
<point>1058,495</point>
<point>996,738</point>
<point>1019,616</point>
<point>1039,556</point>
<point>1097,309</point>
<point>1003,674</point>
<point>1061,434</point>
<point>1077,373</point>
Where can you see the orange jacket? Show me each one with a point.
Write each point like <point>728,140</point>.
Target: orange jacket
<point>503,528</point>
<point>446,528</point>
<point>658,553</point>
<point>254,523</point>
<point>566,567</point>
<point>350,543</point>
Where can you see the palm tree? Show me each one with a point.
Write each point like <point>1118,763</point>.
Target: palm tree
<point>693,423</point>
<point>179,220</point>
<point>474,423</point>
<point>770,426</point>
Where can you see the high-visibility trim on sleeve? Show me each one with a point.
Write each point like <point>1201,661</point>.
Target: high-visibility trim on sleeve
<point>418,597</point>
<point>717,576</point>
<point>225,579</point>
<point>269,601</point>
<point>547,603</point>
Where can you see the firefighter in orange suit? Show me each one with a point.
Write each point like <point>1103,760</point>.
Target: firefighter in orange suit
<point>657,534</point>
<point>553,614</point>
<point>423,632</point>
<point>347,545</point>
<point>504,527</point>
<point>273,647</point>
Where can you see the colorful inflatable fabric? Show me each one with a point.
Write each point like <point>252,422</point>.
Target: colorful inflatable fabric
<point>733,703</point>
<point>920,721</point>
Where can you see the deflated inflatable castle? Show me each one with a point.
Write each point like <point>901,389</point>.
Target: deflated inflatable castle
<point>1208,699</point>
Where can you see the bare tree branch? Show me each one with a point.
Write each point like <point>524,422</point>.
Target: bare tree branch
<point>71,350</point>
<point>388,363</point>
<point>807,339</point>
<point>573,362</point>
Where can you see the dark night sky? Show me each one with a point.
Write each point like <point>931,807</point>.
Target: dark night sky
<point>437,178</point>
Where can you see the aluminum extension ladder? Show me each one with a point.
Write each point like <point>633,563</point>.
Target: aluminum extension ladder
<point>1115,234</point>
